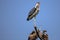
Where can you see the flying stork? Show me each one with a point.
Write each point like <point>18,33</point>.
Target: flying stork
<point>34,11</point>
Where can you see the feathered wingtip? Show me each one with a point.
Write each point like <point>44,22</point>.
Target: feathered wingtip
<point>27,19</point>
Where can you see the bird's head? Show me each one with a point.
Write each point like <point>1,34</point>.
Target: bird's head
<point>37,5</point>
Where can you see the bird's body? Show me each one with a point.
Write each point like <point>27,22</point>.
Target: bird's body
<point>33,12</point>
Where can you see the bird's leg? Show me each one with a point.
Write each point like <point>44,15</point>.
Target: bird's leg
<point>34,21</point>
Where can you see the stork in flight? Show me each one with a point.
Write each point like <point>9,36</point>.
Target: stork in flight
<point>33,12</point>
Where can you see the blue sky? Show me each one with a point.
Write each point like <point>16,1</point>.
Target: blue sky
<point>13,23</point>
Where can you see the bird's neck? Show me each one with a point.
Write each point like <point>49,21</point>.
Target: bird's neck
<point>37,8</point>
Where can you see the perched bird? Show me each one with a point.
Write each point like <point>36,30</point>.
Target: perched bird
<point>33,12</point>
